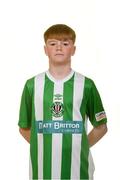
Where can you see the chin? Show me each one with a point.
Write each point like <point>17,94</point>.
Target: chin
<point>60,62</point>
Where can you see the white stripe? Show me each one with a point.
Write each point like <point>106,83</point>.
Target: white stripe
<point>39,92</point>
<point>86,123</point>
<point>57,139</point>
<point>76,138</point>
<point>30,169</point>
<point>91,167</point>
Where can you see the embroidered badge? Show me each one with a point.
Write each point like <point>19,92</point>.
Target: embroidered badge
<point>57,109</point>
<point>99,116</point>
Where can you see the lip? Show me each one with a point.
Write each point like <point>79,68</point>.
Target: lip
<point>59,54</point>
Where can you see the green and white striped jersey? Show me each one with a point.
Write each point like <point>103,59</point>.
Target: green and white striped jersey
<point>57,113</point>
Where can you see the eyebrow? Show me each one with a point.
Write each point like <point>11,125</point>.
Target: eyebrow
<point>55,40</point>
<point>51,40</point>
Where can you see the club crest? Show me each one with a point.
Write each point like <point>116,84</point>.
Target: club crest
<point>57,109</point>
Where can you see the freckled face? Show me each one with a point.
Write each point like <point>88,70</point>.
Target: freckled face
<point>59,50</point>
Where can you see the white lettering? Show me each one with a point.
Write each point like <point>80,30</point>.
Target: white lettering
<point>58,125</point>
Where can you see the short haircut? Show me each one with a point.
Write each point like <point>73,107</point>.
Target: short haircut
<point>60,32</point>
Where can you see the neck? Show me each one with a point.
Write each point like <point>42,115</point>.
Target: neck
<point>59,71</point>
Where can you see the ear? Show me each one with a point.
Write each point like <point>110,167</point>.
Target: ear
<point>73,50</point>
<point>45,49</point>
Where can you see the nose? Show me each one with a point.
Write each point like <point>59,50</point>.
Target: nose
<point>59,46</point>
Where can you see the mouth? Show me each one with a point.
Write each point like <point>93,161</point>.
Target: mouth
<point>59,54</point>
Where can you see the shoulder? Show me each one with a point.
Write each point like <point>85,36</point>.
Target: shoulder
<point>30,83</point>
<point>88,82</point>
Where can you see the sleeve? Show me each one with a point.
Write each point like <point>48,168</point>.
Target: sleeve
<point>25,108</point>
<point>95,109</point>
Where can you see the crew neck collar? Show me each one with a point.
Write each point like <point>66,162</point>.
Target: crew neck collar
<point>66,78</point>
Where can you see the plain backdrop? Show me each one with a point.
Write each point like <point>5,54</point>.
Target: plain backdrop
<point>22,24</point>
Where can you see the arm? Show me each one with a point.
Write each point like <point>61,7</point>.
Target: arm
<point>25,132</point>
<point>96,134</point>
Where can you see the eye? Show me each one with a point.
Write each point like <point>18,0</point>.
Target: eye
<point>65,43</point>
<point>52,43</point>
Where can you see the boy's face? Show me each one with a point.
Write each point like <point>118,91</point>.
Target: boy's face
<point>59,51</point>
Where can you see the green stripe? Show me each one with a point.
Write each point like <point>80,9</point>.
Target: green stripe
<point>47,138</point>
<point>67,138</point>
<point>33,142</point>
<point>84,142</point>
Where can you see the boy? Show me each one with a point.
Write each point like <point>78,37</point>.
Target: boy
<point>54,109</point>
